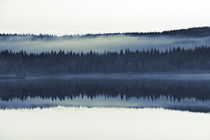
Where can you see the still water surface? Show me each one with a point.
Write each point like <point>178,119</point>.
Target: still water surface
<point>170,91</point>
<point>106,107</point>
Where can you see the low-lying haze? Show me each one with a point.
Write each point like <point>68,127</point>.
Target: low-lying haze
<point>103,43</point>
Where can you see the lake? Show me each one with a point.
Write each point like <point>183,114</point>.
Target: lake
<point>170,91</point>
<point>106,106</point>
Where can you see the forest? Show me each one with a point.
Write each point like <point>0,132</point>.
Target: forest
<point>126,61</point>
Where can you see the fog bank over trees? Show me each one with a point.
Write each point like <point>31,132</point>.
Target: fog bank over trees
<point>187,38</point>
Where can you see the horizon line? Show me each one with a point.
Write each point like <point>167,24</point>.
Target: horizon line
<point>104,33</point>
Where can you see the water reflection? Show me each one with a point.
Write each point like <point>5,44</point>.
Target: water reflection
<point>192,95</point>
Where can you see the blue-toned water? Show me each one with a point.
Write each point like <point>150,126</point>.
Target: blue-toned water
<point>170,91</point>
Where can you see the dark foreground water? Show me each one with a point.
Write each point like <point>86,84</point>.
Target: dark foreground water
<point>106,107</point>
<point>170,91</point>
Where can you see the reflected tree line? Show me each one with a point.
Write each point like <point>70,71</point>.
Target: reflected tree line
<point>152,89</point>
<point>172,60</point>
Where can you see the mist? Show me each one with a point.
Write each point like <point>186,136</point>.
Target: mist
<point>101,43</point>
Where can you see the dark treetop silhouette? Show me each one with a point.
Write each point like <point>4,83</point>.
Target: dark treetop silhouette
<point>172,60</point>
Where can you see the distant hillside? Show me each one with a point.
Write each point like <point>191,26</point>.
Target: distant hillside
<point>193,32</point>
<point>190,32</point>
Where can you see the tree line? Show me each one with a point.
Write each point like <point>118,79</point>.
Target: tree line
<point>64,62</point>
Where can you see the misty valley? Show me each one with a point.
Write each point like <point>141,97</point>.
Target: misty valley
<point>104,70</point>
<point>169,70</point>
<point>122,84</point>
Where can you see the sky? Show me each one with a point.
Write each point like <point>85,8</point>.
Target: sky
<point>101,16</point>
